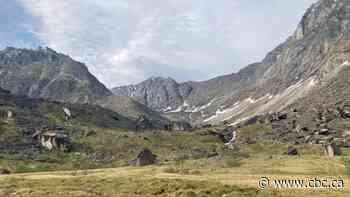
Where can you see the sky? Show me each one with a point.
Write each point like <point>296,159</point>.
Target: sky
<point>127,41</point>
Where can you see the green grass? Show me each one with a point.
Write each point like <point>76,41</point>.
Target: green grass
<point>345,157</point>
<point>115,148</point>
<point>190,165</point>
<point>107,148</point>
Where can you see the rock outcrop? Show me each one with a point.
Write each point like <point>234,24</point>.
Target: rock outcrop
<point>6,115</point>
<point>179,126</point>
<point>332,150</point>
<point>53,139</point>
<point>292,151</point>
<point>143,123</point>
<point>144,158</point>
<point>67,113</point>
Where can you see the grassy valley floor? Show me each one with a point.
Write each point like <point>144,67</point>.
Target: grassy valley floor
<point>181,180</point>
<point>190,164</point>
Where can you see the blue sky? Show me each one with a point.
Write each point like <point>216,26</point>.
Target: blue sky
<point>127,41</point>
<point>16,25</point>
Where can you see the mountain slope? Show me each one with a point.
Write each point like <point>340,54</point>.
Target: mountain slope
<point>44,73</point>
<point>132,109</point>
<point>313,55</point>
<point>35,113</point>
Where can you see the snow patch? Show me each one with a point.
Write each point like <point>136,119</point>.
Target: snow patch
<point>240,120</point>
<point>346,63</point>
<point>312,82</point>
<point>250,100</point>
<point>179,109</point>
<point>191,109</point>
<point>185,104</point>
<point>167,109</point>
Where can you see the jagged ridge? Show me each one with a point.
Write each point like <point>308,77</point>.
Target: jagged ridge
<point>311,56</point>
<point>44,73</point>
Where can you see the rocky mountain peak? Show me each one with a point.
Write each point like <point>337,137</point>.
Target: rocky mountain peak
<point>161,94</point>
<point>324,12</point>
<point>47,74</point>
<point>161,80</point>
<point>24,56</point>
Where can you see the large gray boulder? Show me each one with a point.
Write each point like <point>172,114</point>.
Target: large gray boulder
<point>180,126</point>
<point>143,123</point>
<point>144,158</point>
<point>332,150</point>
<point>53,139</point>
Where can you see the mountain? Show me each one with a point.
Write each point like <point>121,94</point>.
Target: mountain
<point>44,73</point>
<point>316,53</point>
<point>133,110</point>
<point>161,94</point>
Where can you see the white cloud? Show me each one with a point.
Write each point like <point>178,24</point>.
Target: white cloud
<point>126,41</point>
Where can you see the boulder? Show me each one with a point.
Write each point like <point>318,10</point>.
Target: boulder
<point>4,171</point>
<point>143,123</point>
<point>53,139</point>
<point>292,151</point>
<point>9,115</point>
<point>345,112</point>
<point>67,113</point>
<point>180,126</point>
<point>144,158</point>
<point>6,115</point>
<point>282,116</point>
<point>250,121</point>
<point>324,131</point>
<point>332,150</point>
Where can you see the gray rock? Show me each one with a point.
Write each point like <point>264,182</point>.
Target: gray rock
<point>345,112</point>
<point>180,126</point>
<point>143,123</point>
<point>67,113</point>
<point>324,131</point>
<point>332,150</point>
<point>292,151</point>
<point>144,158</point>
<point>53,139</point>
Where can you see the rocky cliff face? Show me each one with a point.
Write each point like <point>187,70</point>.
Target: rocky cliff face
<point>47,74</point>
<point>316,53</point>
<point>161,94</point>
